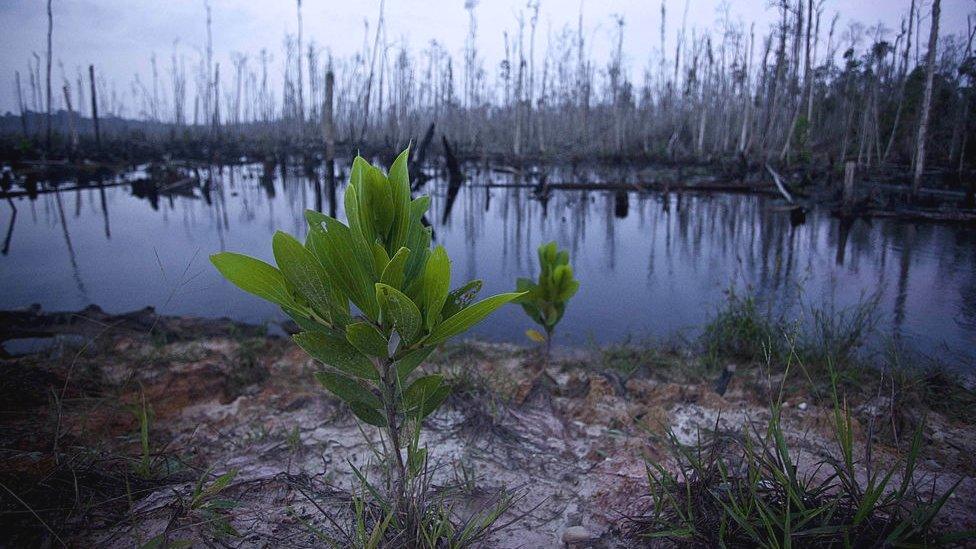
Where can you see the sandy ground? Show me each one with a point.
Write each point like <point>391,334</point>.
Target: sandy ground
<point>570,439</point>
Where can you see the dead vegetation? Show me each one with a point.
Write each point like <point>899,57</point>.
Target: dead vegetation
<point>806,94</point>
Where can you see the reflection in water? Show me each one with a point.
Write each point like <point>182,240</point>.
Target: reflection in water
<point>651,264</point>
<point>621,204</point>
<point>76,274</point>
<point>104,203</point>
<point>901,295</point>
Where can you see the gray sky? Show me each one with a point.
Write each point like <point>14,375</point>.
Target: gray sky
<point>119,36</point>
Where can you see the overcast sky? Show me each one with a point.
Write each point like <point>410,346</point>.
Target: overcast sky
<point>119,36</point>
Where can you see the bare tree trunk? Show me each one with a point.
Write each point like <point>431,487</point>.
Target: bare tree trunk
<point>50,30</point>
<point>772,102</point>
<point>850,168</point>
<point>923,125</point>
<point>747,93</point>
<point>519,84</point>
<point>301,91</point>
<point>21,105</point>
<point>94,107</point>
<point>962,126</point>
<point>216,99</point>
<point>812,57</point>
<point>796,73</point>
<point>208,93</point>
<point>328,123</point>
<point>533,6</point>
<point>71,120</point>
<point>901,87</point>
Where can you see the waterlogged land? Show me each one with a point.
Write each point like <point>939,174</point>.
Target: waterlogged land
<point>654,263</point>
<point>106,434</point>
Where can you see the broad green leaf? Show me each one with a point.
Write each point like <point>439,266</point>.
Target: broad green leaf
<point>315,219</point>
<point>568,290</point>
<point>361,232</point>
<point>418,207</point>
<point>304,272</point>
<point>380,258</point>
<point>468,317</point>
<point>459,298</point>
<point>528,286</point>
<point>436,285</point>
<point>400,192</point>
<point>340,299</point>
<point>409,362</point>
<point>354,200</point>
<point>367,414</point>
<point>361,401</point>
<point>254,276</point>
<point>418,241</point>
<point>333,248</point>
<point>424,395</point>
<point>398,311</point>
<point>337,353</point>
<point>393,273</point>
<point>308,325</point>
<point>418,238</point>
<point>348,389</point>
<point>365,337</point>
<point>378,201</point>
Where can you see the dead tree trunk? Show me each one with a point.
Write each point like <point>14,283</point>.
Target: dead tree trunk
<point>421,154</point>
<point>216,99</point>
<point>850,168</point>
<point>21,105</point>
<point>301,91</point>
<point>923,124</point>
<point>94,107</point>
<point>453,166</point>
<point>746,94</point>
<point>328,122</point>
<point>901,86</point>
<point>71,122</point>
<point>328,131</point>
<point>50,30</point>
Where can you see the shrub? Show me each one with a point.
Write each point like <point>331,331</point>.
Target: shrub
<point>545,301</point>
<point>401,308</point>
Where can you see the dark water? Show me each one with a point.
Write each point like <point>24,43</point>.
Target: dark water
<point>650,265</point>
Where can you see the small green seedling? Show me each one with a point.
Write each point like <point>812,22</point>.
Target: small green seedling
<point>402,305</point>
<point>205,502</point>
<point>545,301</point>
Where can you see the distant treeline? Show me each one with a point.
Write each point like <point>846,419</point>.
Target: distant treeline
<point>802,92</point>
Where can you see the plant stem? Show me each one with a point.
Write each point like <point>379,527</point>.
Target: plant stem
<point>545,364</point>
<point>393,432</point>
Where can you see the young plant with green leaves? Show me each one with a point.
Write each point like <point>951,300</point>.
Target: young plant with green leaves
<point>373,301</point>
<point>545,301</point>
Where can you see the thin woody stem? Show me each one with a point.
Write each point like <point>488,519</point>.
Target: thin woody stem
<point>393,432</point>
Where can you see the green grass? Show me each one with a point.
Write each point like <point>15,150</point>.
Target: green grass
<point>747,489</point>
<point>742,331</point>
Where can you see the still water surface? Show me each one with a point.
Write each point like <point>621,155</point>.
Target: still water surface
<point>651,265</point>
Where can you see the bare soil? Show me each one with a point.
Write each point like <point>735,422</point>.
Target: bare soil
<point>571,438</point>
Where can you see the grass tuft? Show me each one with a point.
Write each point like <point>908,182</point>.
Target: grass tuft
<point>751,488</point>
